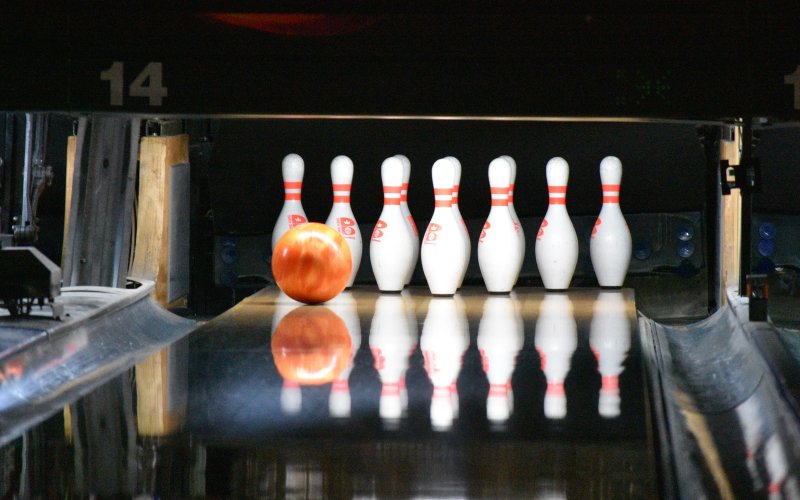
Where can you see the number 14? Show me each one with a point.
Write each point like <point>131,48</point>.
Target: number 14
<point>147,84</point>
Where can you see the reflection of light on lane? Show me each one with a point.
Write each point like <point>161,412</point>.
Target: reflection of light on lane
<point>556,339</point>
<point>610,340</point>
<point>445,337</point>
<point>752,423</point>
<point>781,483</point>
<point>391,342</point>
<point>413,332</point>
<point>500,338</point>
<point>291,398</point>
<point>310,345</point>
<point>344,305</point>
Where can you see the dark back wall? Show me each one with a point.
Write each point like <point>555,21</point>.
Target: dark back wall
<point>663,165</point>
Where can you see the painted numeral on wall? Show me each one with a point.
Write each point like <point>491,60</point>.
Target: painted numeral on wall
<point>794,79</point>
<point>148,83</point>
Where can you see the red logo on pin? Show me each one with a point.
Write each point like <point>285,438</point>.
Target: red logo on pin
<point>594,229</point>
<point>377,233</point>
<point>541,229</point>
<point>346,227</point>
<point>295,220</point>
<point>483,233</point>
<point>432,233</point>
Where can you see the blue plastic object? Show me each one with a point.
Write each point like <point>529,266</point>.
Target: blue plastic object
<point>642,250</point>
<point>767,230</point>
<point>766,247</point>
<point>686,249</point>
<point>685,232</point>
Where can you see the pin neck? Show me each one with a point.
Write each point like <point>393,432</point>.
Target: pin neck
<point>341,193</point>
<point>391,195</point>
<point>558,195</point>
<point>443,197</point>
<point>291,190</point>
<point>611,194</point>
<point>500,196</point>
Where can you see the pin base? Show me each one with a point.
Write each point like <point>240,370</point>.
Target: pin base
<point>392,291</point>
<point>499,293</point>
<point>611,287</point>
<point>557,290</point>
<point>443,294</point>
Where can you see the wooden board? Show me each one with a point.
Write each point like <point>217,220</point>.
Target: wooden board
<point>731,223</point>
<point>157,156</point>
<point>72,142</point>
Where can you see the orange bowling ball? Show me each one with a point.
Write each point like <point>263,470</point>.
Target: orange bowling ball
<point>311,346</point>
<point>311,263</point>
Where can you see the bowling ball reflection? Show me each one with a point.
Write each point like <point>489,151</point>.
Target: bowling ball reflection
<point>311,263</point>
<point>311,346</point>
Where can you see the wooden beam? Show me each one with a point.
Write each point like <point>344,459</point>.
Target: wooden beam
<point>731,223</point>
<point>161,248</point>
<point>161,391</point>
<point>72,142</point>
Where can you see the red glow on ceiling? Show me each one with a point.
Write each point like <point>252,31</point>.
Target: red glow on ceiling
<point>298,24</point>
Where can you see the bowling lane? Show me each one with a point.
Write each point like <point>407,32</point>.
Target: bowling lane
<point>409,395</point>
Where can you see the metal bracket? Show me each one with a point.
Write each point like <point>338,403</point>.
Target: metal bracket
<point>757,294</point>
<point>746,176</point>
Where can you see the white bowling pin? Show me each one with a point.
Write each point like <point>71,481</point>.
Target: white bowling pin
<point>407,214</point>
<point>610,245</point>
<point>500,337</point>
<point>443,344</point>
<point>498,245</point>
<point>464,233</point>
<point>443,247</point>
<point>391,343</point>
<point>341,217</point>
<point>391,249</point>
<point>292,213</point>
<point>556,243</point>
<point>520,233</point>
<point>556,339</point>
<point>610,341</point>
<point>345,306</point>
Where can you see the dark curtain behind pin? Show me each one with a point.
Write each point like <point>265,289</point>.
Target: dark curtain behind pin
<point>101,213</point>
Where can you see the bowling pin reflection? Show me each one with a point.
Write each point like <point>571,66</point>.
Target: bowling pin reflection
<point>444,339</point>
<point>310,346</point>
<point>556,339</point>
<point>500,337</point>
<point>752,423</point>
<point>610,340</point>
<point>291,397</point>
<point>344,305</point>
<point>391,341</point>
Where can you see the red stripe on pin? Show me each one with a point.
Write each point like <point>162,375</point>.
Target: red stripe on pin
<point>443,203</point>
<point>558,201</point>
<point>341,199</point>
<point>391,189</point>
<point>441,191</point>
<point>500,203</point>
<point>610,187</point>
<point>610,199</point>
<point>292,196</point>
<point>293,185</point>
<point>498,190</point>
<point>391,201</point>
<point>341,187</point>
<point>557,189</point>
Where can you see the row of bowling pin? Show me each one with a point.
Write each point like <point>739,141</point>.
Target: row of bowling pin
<point>446,246</point>
<point>445,338</point>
